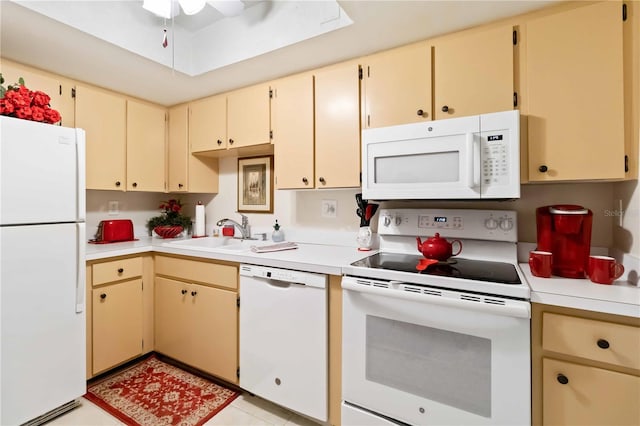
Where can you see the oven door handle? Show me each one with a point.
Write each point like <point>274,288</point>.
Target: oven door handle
<point>513,308</point>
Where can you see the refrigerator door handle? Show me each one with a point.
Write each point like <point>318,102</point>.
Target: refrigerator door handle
<point>81,178</point>
<point>82,271</point>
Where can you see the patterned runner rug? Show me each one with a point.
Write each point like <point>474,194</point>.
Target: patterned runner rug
<point>154,393</point>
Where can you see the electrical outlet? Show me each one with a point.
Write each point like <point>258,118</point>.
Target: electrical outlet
<point>114,208</point>
<point>329,208</point>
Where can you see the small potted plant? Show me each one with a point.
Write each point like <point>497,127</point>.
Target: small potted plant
<point>171,222</point>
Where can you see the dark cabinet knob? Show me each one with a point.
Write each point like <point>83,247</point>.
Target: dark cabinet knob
<point>321,179</point>
<point>543,169</point>
<point>180,185</point>
<point>219,142</point>
<point>445,108</point>
<point>230,141</point>
<point>193,293</point>
<point>103,296</point>
<point>134,184</point>
<point>118,183</point>
<point>305,180</point>
<point>420,113</point>
<point>184,291</point>
<point>603,344</point>
<point>562,379</point>
<point>120,270</point>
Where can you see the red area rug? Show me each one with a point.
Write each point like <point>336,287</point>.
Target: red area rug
<point>155,393</point>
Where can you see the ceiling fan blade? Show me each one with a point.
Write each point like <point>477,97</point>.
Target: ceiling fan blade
<point>227,7</point>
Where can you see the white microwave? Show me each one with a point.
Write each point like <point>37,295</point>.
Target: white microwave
<point>476,157</point>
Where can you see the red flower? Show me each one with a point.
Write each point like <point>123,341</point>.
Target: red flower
<point>51,115</point>
<point>41,99</point>
<point>24,112</point>
<point>20,102</point>
<point>37,113</point>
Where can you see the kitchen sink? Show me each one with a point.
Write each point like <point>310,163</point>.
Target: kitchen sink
<point>216,243</point>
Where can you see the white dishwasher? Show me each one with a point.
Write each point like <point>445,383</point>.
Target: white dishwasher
<point>283,338</point>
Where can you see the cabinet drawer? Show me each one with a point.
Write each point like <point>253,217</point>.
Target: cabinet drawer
<point>596,340</point>
<point>117,270</point>
<point>199,271</point>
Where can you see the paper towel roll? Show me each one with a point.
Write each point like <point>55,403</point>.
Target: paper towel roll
<point>199,225</point>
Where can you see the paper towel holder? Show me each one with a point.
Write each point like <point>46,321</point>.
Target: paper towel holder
<point>199,227</point>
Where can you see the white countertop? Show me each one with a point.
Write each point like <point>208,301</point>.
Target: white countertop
<point>619,298</point>
<point>325,259</point>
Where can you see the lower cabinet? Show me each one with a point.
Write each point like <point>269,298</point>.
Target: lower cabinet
<point>586,368</point>
<point>118,312</point>
<point>196,314</point>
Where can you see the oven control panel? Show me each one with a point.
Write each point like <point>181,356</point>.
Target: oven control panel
<point>496,225</point>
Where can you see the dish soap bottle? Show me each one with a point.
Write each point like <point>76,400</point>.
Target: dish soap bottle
<point>277,235</point>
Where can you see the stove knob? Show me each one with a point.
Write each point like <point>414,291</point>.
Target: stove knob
<point>491,223</point>
<point>387,220</point>
<point>398,220</point>
<point>506,224</point>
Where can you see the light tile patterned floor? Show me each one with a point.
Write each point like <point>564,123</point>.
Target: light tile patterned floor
<point>246,410</point>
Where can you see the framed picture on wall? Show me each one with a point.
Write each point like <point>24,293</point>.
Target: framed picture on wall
<point>255,185</point>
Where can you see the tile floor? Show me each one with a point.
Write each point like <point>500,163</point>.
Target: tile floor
<point>245,410</point>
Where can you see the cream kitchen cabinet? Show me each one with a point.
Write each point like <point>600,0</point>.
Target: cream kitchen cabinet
<point>115,327</point>
<point>237,119</point>
<point>473,72</point>
<point>58,88</point>
<point>196,314</point>
<point>146,147</point>
<point>397,86</point>
<point>293,132</point>
<point>574,94</point>
<point>337,126</point>
<point>586,368</point>
<point>188,172</point>
<point>102,114</point>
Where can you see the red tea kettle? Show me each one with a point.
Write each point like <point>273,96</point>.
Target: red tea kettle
<point>438,248</point>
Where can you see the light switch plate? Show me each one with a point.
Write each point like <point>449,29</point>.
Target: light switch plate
<point>329,208</point>
<point>114,208</point>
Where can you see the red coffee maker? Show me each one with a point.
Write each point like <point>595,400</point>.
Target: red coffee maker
<point>565,231</point>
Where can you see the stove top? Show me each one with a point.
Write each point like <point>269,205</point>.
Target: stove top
<point>478,270</point>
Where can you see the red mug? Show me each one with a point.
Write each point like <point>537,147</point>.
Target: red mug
<point>604,269</point>
<point>540,263</point>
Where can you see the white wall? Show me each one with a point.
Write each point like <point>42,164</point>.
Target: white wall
<point>299,212</point>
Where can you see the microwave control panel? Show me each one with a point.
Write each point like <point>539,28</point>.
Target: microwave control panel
<point>495,159</point>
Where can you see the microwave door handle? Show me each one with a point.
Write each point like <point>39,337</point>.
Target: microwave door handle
<point>473,152</point>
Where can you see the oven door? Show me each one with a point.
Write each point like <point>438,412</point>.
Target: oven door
<point>433,160</point>
<point>429,356</point>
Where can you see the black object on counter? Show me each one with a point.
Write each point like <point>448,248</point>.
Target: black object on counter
<point>365,211</point>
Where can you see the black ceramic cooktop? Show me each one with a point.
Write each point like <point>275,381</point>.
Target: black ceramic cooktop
<point>455,267</point>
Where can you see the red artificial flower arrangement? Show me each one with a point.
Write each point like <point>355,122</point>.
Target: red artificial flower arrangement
<point>18,101</point>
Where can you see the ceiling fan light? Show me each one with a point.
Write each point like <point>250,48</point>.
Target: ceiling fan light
<point>227,7</point>
<point>191,7</point>
<point>161,8</point>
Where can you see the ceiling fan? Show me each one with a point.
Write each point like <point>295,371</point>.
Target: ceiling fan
<point>170,8</point>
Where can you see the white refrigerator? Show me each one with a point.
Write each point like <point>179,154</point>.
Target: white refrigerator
<point>42,270</point>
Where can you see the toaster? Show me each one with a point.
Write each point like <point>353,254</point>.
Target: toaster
<point>111,231</point>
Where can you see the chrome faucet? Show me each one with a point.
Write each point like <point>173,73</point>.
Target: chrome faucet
<point>244,227</point>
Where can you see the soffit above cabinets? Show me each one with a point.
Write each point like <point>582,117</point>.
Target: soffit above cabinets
<point>118,44</point>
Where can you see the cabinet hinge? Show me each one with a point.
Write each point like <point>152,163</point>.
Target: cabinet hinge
<point>360,177</point>
<point>624,12</point>
<point>270,134</point>
<point>238,301</point>
<point>626,164</point>
<point>73,92</point>
<point>60,89</point>
<point>515,99</point>
<point>270,93</point>
<point>238,372</point>
<point>515,37</point>
<point>143,344</point>
<point>142,283</point>
<point>360,72</point>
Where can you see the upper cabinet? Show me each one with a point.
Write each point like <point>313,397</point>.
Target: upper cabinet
<point>208,124</point>
<point>188,172</point>
<point>473,72</point>
<point>292,122</point>
<point>146,147</point>
<point>574,94</point>
<point>337,128</point>
<point>397,86</point>
<point>103,117</point>
<point>58,88</point>
<point>236,119</point>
